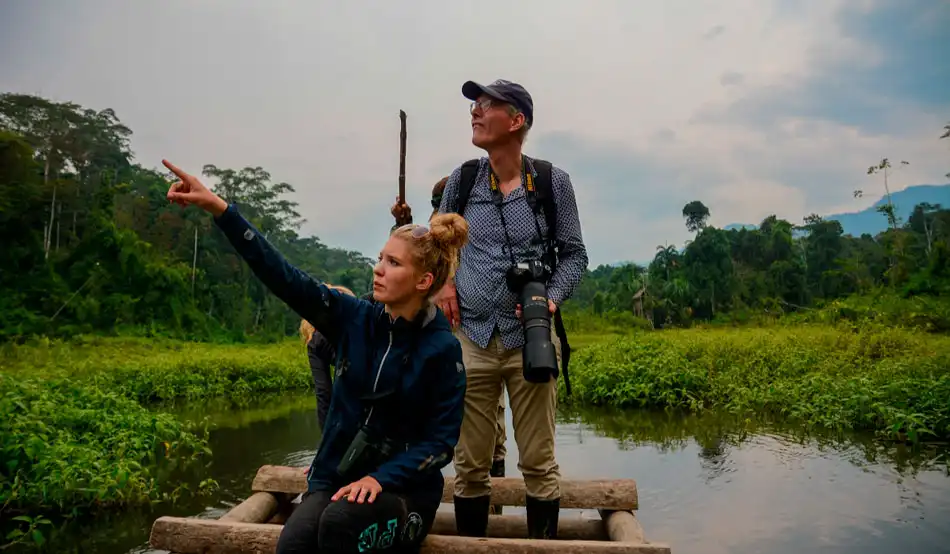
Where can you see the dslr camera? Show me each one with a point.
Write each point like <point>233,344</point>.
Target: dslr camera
<point>528,280</point>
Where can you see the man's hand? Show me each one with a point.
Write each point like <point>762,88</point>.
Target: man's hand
<point>401,212</point>
<point>364,490</point>
<point>552,307</point>
<point>448,303</point>
<point>189,190</point>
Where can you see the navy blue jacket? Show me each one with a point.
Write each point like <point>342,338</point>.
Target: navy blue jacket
<point>419,360</point>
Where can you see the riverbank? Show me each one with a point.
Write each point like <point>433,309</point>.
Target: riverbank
<point>892,381</point>
<point>96,423</point>
<point>82,427</point>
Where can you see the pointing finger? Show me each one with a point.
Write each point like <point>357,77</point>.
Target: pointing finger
<point>174,169</point>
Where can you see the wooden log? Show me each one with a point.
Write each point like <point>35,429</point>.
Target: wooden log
<point>257,508</point>
<point>208,536</point>
<point>622,526</point>
<point>516,527</point>
<point>608,494</point>
<point>503,526</point>
<point>283,512</point>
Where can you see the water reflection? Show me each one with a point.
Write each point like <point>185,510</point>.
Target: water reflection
<point>711,484</point>
<point>718,484</point>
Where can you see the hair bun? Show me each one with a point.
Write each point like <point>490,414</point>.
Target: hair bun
<point>449,231</point>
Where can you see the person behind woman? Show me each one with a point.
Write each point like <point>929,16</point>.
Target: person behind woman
<point>321,355</point>
<point>399,387</point>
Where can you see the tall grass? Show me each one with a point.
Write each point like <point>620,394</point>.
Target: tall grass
<point>76,430</point>
<point>888,380</point>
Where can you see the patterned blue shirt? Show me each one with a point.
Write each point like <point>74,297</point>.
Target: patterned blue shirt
<point>484,300</point>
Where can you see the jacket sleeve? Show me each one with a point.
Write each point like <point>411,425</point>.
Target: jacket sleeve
<point>429,456</point>
<point>573,259</point>
<point>322,306</point>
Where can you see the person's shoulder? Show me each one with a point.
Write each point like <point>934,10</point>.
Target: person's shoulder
<point>445,354</point>
<point>456,173</point>
<point>361,308</point>
<point>480,161</point>
<point>560,180</point>
<point>558,174</point>
<point>440,340</point>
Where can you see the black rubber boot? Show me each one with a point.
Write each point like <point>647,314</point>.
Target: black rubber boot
<point>471,515</point>
<point>497,470</point>
<point>542,517</point>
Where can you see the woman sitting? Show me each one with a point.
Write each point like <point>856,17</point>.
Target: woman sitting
<point>398,392</point>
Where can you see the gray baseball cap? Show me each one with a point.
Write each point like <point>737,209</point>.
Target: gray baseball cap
<point>503,90</point>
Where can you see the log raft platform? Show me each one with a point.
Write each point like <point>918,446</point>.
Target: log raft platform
<point>252,527</point>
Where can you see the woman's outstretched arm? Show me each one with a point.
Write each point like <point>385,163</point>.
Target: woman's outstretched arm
<point>322,306</point>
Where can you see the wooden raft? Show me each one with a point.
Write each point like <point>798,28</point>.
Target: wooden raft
<point>253,525</point>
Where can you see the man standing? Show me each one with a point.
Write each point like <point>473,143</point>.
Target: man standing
<point>518,209</point>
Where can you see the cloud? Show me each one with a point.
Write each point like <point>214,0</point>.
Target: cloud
<point>753,106</point>
<point>730,78</point>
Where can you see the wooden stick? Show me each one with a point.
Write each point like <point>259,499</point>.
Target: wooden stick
<point>608,494</point>
<point>257,508</point>
<point>402,156</point>
<point>622,526</point>
<point>208,536</point>
<point>516,527</point>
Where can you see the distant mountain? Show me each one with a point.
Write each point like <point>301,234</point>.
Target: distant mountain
<point>872,222</point>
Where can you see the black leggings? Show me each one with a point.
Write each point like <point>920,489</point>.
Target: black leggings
<point>392,523</point>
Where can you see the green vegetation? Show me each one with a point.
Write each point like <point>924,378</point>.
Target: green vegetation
<point>837,331</point>
<point>79,431</point>
<point>892,381</point>
<point>778,268</point>
<point>91,245</point>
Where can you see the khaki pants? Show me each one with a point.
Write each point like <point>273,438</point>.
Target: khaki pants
<point>501,434</point>
<point>533,407</point>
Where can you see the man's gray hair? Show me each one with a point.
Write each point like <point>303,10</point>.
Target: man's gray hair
<point>523,131</point>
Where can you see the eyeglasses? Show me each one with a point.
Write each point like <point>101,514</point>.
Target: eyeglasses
<point>436,201</point>
<point>488,103</point>
<point>418,231</point>
<point>485,104</point>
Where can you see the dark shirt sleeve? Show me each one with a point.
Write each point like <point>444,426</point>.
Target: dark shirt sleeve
<point>429,456</point>
<point>321,354</point>
<point>325,308</point>
<point>572,257</point>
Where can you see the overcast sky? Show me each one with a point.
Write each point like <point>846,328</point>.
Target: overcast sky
<point>752,106</point>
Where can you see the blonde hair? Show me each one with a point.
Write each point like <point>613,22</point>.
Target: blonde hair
<point>306,328</point>
<point>437,250</point>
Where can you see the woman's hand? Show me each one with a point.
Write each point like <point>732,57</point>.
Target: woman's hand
<point>189,190</point>
<point>359,490</point>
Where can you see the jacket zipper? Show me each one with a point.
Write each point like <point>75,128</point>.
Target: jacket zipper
<point>380,372</point>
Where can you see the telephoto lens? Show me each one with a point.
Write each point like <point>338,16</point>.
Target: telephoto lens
<point>538,356</point>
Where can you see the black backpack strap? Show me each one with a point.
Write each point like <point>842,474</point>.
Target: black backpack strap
<point>542,198</point>
<point>466,182</point>
<point>543,195</point>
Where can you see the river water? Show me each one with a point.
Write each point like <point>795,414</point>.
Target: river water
<point>709,485</point>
